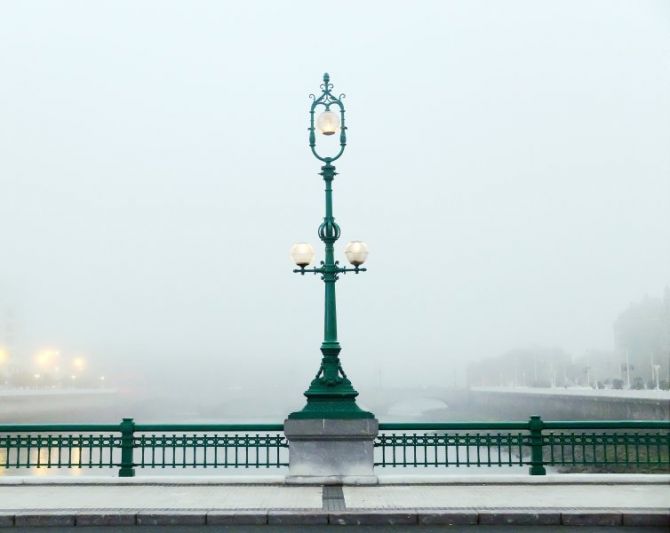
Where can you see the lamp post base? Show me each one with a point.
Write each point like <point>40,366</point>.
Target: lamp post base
<point>331,394</point>
<point>331,451</point>
<point>330,408</point>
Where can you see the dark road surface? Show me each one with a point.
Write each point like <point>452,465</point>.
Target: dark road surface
<point>359,529</point>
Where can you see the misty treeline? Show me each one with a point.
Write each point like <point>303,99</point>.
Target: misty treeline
<point>640,358</point>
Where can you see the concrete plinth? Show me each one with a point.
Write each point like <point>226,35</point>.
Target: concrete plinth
<point>331,451</point>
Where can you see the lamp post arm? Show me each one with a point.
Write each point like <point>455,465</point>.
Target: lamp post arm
<point>321,270</point>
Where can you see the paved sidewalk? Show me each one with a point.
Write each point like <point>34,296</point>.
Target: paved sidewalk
<point>493,500</point>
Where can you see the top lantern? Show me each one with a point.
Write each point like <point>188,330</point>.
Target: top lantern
<point>329,121</point>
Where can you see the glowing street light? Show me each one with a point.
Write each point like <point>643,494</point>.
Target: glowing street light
<point>302,254</point>
<point>356,252</point>
<point>46,358</point>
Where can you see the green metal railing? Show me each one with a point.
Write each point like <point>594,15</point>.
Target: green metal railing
<point>631,445</point>
<point>128,446</point>
<point>621,445</point>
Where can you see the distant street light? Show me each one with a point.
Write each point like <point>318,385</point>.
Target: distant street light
<point>47,358</point>
<point>330,395</point>
<point>657,374</point>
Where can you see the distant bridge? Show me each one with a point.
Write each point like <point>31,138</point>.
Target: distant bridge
<point>573,402</point>
<point>517,402</point>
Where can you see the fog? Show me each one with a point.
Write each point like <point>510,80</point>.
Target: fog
<point>508,166</point>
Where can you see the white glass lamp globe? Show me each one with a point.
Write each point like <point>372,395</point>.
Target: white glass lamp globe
<point>356,252</point>
<point>328,123</point>
<point>302,254</point>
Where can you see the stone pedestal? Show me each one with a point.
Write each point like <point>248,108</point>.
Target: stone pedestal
<point>331,451</point>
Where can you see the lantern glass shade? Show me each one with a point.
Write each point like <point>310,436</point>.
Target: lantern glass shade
<point>302,254</point>
<point>356,252</point>
<point>328,123</point>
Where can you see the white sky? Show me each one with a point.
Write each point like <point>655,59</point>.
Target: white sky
<point>508,165</point>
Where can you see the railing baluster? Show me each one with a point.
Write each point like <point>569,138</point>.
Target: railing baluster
<point>127,429</point>
<point>537,462</point>
<point>458,449</point>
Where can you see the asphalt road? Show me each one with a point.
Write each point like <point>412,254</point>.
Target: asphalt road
<point>359,529</point>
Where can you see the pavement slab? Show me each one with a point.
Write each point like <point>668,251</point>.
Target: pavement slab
<point>161,497</point>
<point>509,496</point>
<point>489,503</point>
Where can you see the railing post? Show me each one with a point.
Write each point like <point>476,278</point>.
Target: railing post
<point>535,426</point>
<point>127,430</point>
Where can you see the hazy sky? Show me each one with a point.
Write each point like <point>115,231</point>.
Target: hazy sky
<point>508,165</point>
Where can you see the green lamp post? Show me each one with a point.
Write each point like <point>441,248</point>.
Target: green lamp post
<point>331,394</point>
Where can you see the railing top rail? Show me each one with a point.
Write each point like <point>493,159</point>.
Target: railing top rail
<point>391,426</point>
<point>546,424</point>
<point>209,427</point>
<point>606,424</point>
<point>410,426</point>
<point>93,428</point>
<point>16,428</point>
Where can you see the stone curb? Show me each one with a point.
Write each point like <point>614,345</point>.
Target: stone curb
<point>172,518</point>
<point>647,518</point>
<point>441,517</point>
<point>297,518</point>
<point>43,519</point>
<point>102,518</point>
<point>520,518</point>
<point>363,517</point>
<point>237,518</point>
<point>591,518</point>
<point>373,518</point>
